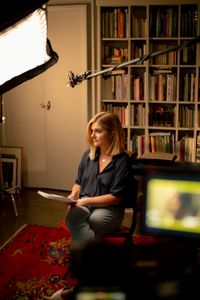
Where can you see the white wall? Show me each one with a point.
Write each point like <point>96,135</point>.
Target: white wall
<point>52,140</point>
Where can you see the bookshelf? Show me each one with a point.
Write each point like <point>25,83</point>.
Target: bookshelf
<point>158,99</point>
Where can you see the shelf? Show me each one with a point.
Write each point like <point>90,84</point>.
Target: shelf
<point>161,94</point>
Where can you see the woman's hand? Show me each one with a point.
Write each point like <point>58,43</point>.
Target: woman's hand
<point>73,196</point>
<point>79,202</point>
<point>75,192</point>
<point>82,201</point>
<point>98,201</point>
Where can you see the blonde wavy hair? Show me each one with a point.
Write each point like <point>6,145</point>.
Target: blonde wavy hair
<point>111,123</point>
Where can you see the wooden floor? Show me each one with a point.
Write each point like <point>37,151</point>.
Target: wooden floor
<point>33,209</point>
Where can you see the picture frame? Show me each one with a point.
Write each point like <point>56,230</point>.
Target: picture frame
<point>9,172</point>
<point>14,153</point>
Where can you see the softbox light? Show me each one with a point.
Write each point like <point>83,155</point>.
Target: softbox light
<point>25,50</point>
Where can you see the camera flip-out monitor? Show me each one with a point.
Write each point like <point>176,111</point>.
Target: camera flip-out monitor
<point>172,202</point>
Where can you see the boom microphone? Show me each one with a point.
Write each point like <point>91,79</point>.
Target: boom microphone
<point>76,79</point>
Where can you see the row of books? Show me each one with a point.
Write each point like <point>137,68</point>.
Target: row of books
<point>161,142</point>
<point>163,87</point>
<point>115,23</point>
<point>139,26</point>
<point>158,142</point>
<point>120,110</point>
<point>188,87</point>
<point>163,22</point>
<point>159,115</point>
<point>186,116</point>
<point>188,55</point>
<point>138,49</point>
<point>162,115</point>
<point>168,58</point>
<point>189,18</point>
<point>138,87</point>
<point>137,115</point>
<point>185,149</point>
<point>115,87</point>
<point>137,144</point>
<point>114,55</point>
<point>164,142</point>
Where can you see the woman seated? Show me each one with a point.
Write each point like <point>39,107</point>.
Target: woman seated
<point>101,186</point>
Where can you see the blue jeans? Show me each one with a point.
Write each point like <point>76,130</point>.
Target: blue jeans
<point>86,222</point>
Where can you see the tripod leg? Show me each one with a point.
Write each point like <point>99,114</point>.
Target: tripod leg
<point>14,204</point>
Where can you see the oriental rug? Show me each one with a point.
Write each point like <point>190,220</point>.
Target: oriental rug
<point>34,263</point>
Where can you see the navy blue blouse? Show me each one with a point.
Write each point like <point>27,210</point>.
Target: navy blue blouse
<point>112,180</point>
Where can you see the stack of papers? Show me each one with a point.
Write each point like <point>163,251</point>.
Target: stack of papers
<point>56,197</point>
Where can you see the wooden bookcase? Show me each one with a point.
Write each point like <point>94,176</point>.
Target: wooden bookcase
<point>158,99</point>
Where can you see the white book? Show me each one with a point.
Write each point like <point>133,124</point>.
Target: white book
<point>159,133</point>
<point>56,197</point>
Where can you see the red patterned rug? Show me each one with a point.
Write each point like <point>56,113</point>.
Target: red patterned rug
<point>34,263</point>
